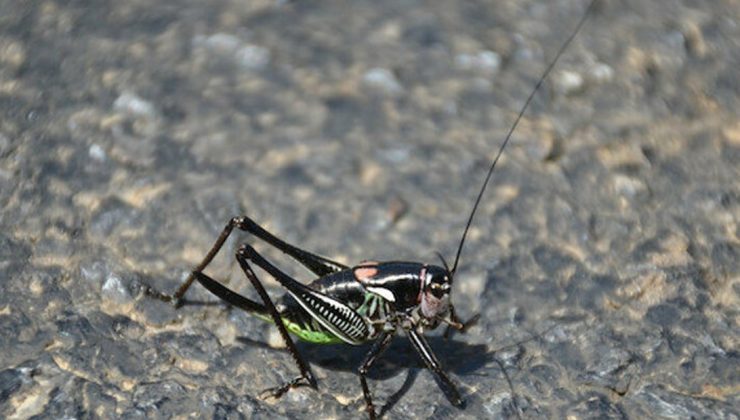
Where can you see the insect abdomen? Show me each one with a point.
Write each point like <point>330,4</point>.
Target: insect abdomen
<point>311,335</point>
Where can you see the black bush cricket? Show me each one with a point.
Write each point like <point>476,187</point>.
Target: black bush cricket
<point>355,305</point>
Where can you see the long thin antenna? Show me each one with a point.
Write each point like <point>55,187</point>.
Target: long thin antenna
<point>513,127</point>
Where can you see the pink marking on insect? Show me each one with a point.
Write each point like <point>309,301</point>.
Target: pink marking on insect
<point>431,306</point>
<point>365,270</point>
<point>422,278</point>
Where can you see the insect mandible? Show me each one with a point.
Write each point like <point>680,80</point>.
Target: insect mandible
<point>368,302</point>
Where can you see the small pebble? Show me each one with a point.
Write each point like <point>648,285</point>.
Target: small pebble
<point>12,54</point>
<point>114,289</point>
<point>601,73</point>
<point>96,152</point>
<point>383,80</point>
<point>568,82</point>
<point>133,104</point>
<point>485,61</point>
<point>253,57</point>
<point>220,42</point>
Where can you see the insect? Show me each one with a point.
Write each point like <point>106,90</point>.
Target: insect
<point>368,302</point>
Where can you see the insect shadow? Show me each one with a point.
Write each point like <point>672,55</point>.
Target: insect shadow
<point>458,357</point>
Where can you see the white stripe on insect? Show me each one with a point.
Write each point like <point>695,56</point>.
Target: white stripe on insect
<point>382,292</point>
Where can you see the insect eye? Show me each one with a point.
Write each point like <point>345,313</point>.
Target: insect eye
<point>437,290</point>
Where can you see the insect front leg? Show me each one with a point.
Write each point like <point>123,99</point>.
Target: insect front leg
<point>430,360</point>
<point>455,323</point>
<point>306,377</point>
<point>375,351</point>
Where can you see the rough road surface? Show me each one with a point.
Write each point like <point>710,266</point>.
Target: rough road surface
<point>605,259</point>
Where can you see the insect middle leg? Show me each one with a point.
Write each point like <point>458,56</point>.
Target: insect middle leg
<point>375,351</point>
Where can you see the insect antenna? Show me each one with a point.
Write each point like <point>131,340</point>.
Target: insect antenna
<point>444,262</point>
<point>511,131</point>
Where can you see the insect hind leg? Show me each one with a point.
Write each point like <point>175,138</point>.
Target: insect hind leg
<point>248,305</point>
<point>229,296</point>
<point>306,377</point>
<point>317,264</point>
<point>335,316</point>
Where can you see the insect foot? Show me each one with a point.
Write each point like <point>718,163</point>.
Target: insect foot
<point>461,327</point>
<point>279,391</point>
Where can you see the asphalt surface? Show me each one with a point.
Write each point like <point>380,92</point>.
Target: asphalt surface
<point>604,260</point>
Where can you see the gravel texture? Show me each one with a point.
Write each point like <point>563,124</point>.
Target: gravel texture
<point>604,260</point>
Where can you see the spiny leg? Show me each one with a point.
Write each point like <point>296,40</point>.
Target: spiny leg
<point>248,305</point>
<point>269,309</point>
<point>317,264</point>
<point>177,297</point>
<point>430,360</point>
<point>375,351</point>
<point>306,377</point>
